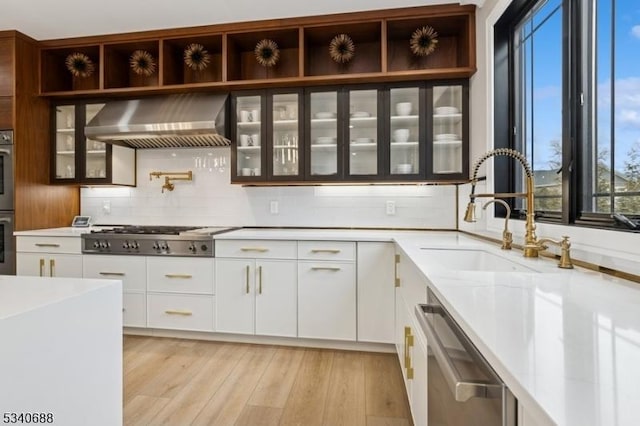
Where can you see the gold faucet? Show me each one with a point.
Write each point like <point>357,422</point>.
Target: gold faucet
<point>531,248</point>
<point>565,250</point>
<point>169,177</point>
<point>507,236</point>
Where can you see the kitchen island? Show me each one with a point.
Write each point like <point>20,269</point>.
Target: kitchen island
<point>61,351</point>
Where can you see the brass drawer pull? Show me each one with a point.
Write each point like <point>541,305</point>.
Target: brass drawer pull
<point>117,274</point>
<point>185,276</point>
<point>334,251</point>
<point>52,267</point>
<point>325,268</point>
<point>259,249</point>
<point>246,279</point>
<point>260,279</point>
<point>42,267</point>
<point>178,312</point>
<point>47,245</point>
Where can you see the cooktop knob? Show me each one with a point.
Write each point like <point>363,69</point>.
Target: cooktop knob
<point>155,246</point>
<point>193,248</point>
<point>134,245</point>
<point>126,245</point>
<point>96,244</point>
<point>204,247</point>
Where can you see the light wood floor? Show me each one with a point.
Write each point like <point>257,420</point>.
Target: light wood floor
<point>184,382</point>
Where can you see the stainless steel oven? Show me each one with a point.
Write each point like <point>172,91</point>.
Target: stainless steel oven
<point>8,249</point>
<point>463,390</point>
<point>6,170</point>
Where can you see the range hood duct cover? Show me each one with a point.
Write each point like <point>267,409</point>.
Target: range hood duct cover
<point>186,120</point>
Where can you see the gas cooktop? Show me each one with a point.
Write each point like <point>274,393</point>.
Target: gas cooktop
<point>152,240</point>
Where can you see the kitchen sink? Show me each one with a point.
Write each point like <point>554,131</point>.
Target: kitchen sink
<point>472,260</point>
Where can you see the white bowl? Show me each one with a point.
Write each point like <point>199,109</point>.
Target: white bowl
<point>325,140</point>
<point>404,108</point>
<point>360,114</point>
<point>446,137</point>
<point>401,135</point>
<point>325,115</point>
<point>446,110</point>
<point>363,140</point>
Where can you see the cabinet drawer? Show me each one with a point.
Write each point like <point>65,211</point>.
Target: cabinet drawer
<point>180,275</point>
<point>326,250</point>
<point>256,249</point>
<point>130,269</point>
<point>72,245</point>
<point>180,311</point>
<point>134,310</point>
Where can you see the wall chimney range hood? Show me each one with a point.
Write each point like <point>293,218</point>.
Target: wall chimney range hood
<point>185,120</point>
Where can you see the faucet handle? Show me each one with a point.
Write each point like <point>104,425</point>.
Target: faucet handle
<point>565,253</point>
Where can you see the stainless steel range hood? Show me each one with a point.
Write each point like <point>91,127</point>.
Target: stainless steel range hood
<point>186,120</point>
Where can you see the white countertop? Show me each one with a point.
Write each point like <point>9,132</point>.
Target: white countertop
<point>23,294</point>
<point>57,232</point>
<point>567,342</point>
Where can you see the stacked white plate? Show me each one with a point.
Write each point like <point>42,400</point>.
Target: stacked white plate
<point>325,140</point>
<point>360,114</point>
<point>446,137</point>
<point>363,140</point>
<point>444,110</point>
<point>404,168</point>
<point>325,115</point>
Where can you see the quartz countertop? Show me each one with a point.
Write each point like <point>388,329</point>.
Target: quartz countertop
<point>567,342</point>
<point>58,232</point>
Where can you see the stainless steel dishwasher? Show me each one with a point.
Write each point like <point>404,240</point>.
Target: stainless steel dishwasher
<point>463,390</point>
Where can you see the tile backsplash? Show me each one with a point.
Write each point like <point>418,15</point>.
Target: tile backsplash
<point>210,200</point>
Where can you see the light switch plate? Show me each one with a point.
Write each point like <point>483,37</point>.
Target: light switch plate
<point>273,207</point>
<point>391,208</point>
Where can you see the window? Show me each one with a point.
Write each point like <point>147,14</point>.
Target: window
<point>568,96</point>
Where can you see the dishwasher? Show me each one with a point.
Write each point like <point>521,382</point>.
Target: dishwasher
<point>462,389</point>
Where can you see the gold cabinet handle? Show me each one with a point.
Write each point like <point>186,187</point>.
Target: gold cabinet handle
<point>395,271</point>
<point>178,312</point>
<point>260,279</point>
<point>47,245</point>
<point>246,279</point>
<point>52,267</point>
<point>42,267</point>
<point>184,276</point>
<point>334,251</point>
<point>407,332</point>
<point>116,274</point>
<point>325,268</point>
<point>408,344</point>
<point>259,249</point>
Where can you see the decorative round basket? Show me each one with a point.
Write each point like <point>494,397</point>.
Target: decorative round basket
<point>267,53</point>
<point>423,41</point>
<point>342,49</point>
<point>79,65</point>
<point>196,57</point>
<point>142,63</point>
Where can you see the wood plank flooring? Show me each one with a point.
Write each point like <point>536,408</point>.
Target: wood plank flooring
<point>190,382</point>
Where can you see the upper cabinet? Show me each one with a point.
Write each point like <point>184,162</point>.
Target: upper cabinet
<point>79,160</point>
<point>356,133</point>
<point>411,44</point>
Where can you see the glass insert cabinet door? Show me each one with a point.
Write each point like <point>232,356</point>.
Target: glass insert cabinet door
<point>285,159</point>
<point>447,129</point>
<point>323,133</point>
<point>95,152</point>
<point>65,142</point>
<point>363,132</point>
<point>249,136</point>
<point>404,143</point>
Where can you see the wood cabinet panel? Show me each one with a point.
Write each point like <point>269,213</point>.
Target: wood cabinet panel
<point>6,112</point>
<point>6,66</point>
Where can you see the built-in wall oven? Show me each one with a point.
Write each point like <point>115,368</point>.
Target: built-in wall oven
<point>7,250</point>
<point>463,390</point>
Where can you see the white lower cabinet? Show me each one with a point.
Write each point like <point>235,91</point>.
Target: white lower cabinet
<point>418,401</point>
<point>132,271</point>
<point>376,291</point>
<point>180,293</point>
<point>49,265</point>
<point>327,300</point>
<point>180,311</point>
<point>256,296</point>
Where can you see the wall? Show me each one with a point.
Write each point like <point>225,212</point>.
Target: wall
<point>210,200</point>
<point>612,249</point>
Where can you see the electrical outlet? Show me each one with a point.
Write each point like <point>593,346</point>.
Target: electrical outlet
<point>273,207</point>
<point>391,208</point>
<point>106,207</point>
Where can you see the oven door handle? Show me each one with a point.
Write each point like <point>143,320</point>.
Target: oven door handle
<point>462,390</point>
<point>5,220</point>
<point>5,152</point>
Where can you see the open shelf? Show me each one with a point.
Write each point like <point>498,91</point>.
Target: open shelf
<point>452,50</point>
<point>241,59</point>
<point>118,71</point>
<point>55,77</point>
<point>176,70</point>
<point>367,54</point>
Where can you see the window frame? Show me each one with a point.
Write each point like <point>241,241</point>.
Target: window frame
<point>577,117</point>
